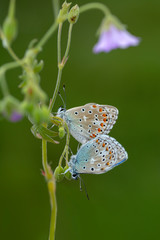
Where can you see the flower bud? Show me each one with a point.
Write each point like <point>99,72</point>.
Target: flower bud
<point>73,14</point>
<point>10,25</point>
<point>41,115</point>
<point>67,175</point>
<point>63,13</point>
<point>58,174</point>
<point>61,132</point>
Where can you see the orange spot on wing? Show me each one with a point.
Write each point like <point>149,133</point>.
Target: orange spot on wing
<point>104,119</point>
<point>94,106</point>
<point>93,135</point>
<point>100,110</point>
<point>110,157</point>
<point>108,163</point>
<point>101,124</point>
<point>102,169</point>
<point>97,141</point>
<point>106,148</point>
<point>110,152</point>
<point>99,130</point>
<point>104,115</point>
<point>103,145</point>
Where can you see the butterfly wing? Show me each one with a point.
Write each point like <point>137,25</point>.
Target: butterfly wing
<point>91,120</point>
<point>99,155</point>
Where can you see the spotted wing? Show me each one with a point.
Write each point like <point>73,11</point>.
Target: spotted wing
<point>100,155</point>
<point>91,120</point>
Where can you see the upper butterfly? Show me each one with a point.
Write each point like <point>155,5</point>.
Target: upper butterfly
<point>89,121</point>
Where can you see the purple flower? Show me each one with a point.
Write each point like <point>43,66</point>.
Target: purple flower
<point>15,117</point>
<point>115,38</point>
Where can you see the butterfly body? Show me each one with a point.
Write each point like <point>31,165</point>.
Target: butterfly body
<point>89,121</point>
<point>97,156</point>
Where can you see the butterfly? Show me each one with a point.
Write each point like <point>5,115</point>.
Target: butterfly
<point>97,156</point>
<point>89,121</point>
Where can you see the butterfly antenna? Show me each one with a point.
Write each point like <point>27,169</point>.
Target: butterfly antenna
<point>62,100</point>
<point>65,97</point>
<point>85,189</point>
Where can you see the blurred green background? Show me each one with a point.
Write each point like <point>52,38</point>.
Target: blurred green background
<point>124,203</point>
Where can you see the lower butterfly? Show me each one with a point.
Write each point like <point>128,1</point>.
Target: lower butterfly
<point>97,156</point>
<point>89,121</point>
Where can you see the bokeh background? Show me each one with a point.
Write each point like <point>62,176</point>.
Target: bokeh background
<point>125,202</point>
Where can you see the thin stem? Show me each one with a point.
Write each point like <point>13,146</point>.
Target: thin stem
<point>44,159</point>
<point>59,69</point>
<point>13,55</point>
<point>56,90</point>
<point>4,85</point>
<point>52,193</point>
<point>65,151</point>
<point>56,7</point>
<point>48,34</point>
<point>12,7</point>
<point>59,43</point>
<point>68,42</point>
<point>51,189</point>
<point>9,66</point>
<point>96,5</point>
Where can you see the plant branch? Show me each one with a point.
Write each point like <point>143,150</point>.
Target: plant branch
<point>96,5</point>
<point>51,189</point>
<point>56,7</point>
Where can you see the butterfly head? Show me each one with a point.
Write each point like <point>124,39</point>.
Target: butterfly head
<point>73,170</point>
<point>61,111</point>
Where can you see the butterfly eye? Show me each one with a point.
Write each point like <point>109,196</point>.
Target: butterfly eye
<point>75,176</point>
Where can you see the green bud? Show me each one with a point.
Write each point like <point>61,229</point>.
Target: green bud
<point>61,132</point>
<point>41,115</point>
<point>27,107</point>
<point>38,66</point>
<point>58,174</point>
<point>73,14</point>
<point>63,13</point>
<point>10,25</point>
<point>67,175</point>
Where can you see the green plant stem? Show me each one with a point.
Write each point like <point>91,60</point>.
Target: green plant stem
<point>9,66</point>
<point>59,68</point>
<point>13,55</point>
<point>59,43</point>
<point>4,86</point>
<point>48,34</point>
<point>68,42</point>
<point>51,189</point>
<point>12,7</point>
<point>56,7</point>
<point>65,151</point>
<point>61,64</point>
<point>96,5</point>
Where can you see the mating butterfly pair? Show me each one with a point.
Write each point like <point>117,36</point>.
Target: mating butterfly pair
<point>89,125</point>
